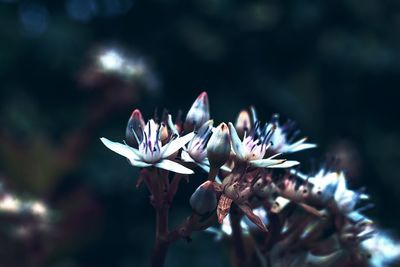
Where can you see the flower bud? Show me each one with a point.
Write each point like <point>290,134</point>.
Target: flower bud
<point>204,200</point>
<point>219,146</point>
<point>243,123</point>
<point>134,129</point>
<point>198,114</point>
<point>164,133</point>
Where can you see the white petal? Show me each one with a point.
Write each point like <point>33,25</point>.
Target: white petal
<point>297,146</point>
<point>140,164</point>
<point>266,163</point>
<point>170,165</point>
<point>186,157</point>
<point>204,166</point>
<point>171,125</point>
<point>286,164</point>
<point>218,180</point>
<point>274,156</point>
<point>225,168</point>
<point>237,144</point>
<point>175,145</point>
<point>124,150</point>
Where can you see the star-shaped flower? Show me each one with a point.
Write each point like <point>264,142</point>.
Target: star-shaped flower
<point>253,148</point>
<point>151,152</point>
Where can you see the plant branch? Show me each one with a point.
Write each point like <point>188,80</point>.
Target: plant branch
<point>237,235</point>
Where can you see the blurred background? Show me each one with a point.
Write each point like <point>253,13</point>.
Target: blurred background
<point>72,71</point>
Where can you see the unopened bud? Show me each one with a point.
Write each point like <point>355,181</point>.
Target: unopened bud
<point>134,129</point>
<point>219,146</point>
<point>243,123</point>
<point>204,200</point>
<point>198,114</point>
<point>164,133</point>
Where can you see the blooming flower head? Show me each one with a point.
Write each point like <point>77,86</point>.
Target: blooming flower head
<point>346,199</point>
<point>381,249</point>
<point>281,145</point>
<point>282,138</point>
<point>196,150</point>
<point>324,185</point>
<point>151,152</point>
<point>253,148</point>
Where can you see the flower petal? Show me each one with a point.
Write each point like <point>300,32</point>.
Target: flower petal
<point>204,166</point>
<point>226,168</point>
<point>124,150</point>
<point>286,164</point>
<point>299,145</point>
<point>266,163</point>
<point>237,144</point>
<point>140,164</point>
<point>186,157</point>
<point>175,145</point>
<point>170,165</point>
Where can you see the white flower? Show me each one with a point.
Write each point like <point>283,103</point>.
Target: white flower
<point>324,186</point>
<point>382,249</point>
<point>196,150</point>
<point>253,149</point>
<point>10,204</point>
<point>346,199</point>
<point>151,152</point>
<point>280,141</point>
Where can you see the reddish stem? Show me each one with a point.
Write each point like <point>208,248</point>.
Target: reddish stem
<point>237,235</point>
<point>161,243</point>
<point>162,208</point>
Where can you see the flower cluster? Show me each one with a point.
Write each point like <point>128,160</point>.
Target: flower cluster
<point>252,191</point>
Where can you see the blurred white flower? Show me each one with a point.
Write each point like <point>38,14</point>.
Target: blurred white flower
<point>346,199</point>
<point>111,60</point>
<point>38,208</point>
<point>382,249</point>
<point>10,204</point>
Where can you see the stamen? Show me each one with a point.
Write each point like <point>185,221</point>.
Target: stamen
<point>293,136</point>
<point>253,114</point>
<point>145,141</point>
<point>172,125</point>
<point>364,208</point>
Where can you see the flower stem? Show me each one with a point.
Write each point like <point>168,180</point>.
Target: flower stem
<point>162,209</point>
<point>161,243</point>
<point>237,235</point>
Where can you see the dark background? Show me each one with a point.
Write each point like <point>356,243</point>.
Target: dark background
<point>332,66</point>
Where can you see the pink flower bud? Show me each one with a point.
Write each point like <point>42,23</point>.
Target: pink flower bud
<point>134,129</point>
<point>198,114</point>
<point>243,123</point>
